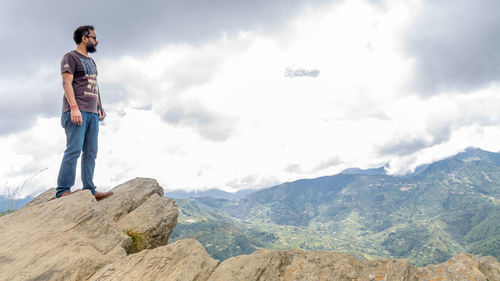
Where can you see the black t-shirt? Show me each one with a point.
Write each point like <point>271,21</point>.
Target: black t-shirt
<point>84,72</point>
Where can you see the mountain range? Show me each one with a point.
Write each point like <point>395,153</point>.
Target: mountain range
<point>442,209</point>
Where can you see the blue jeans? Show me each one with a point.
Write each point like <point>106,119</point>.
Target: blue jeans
<point>79,139</point>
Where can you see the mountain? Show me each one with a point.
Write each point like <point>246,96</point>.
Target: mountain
<point>212,193</point>
<point>5,203</point>
<point>477,154</point>
<point>450,206</point>
<point>358,171</point>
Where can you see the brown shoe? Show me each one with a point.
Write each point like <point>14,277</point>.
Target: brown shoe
<point>102,195</point>
<point>68,193</point>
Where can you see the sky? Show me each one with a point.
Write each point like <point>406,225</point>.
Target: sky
<point>248,94</point>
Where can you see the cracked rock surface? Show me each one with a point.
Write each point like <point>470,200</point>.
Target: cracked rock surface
<point>321,265</point>
<point>65,239</point>
<point>184,260</point>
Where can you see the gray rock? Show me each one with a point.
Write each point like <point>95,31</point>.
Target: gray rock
<point>130,195</point>
<point>65,239</point>
<point>183,260</point>
<point>154,220</point>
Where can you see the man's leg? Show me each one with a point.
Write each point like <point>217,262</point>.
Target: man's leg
<point>74,143</point>
<point>90,151</point>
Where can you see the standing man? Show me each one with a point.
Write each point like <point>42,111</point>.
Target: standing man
<point>82,111</point>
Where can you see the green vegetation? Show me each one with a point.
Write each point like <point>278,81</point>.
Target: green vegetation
<point>138,241</point>
<point>452,206</point>
<point>487,247</point>
<point>222,236</point>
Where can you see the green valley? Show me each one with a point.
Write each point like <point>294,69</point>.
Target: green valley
<point>445,208</point>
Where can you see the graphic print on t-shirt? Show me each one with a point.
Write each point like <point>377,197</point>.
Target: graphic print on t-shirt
<point>84,84</point>
<point>90,70</point>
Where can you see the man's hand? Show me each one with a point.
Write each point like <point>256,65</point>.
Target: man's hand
<point>76,116</point>
<point>102,114</point>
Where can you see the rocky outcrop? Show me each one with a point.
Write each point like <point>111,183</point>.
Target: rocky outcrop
<point>183,260</point>
<point>65,239</point>
<point>130,195</point>
<point>154,220</point>
<point>320,265</point>
<point>139,208</point>
<point>72,237</point>
<point>78,238</point>
<point>309,265</point>
<point>462,267</point>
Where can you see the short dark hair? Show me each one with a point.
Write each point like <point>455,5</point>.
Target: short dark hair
<point>81,31</point>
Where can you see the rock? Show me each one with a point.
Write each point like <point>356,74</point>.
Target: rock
<point>130,195</point>
<point>309,265</point>
<point>139,208</point>
<point>72,237</point>
<point>65,239</point>
<point>319,265</point>
<point>490,267</point>
<point>46,196</point>
<point>154,220</point>
<point>462,267</point>
<point>183,260</point>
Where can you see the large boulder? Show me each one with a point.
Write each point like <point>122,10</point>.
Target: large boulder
<point>309,265</point>
<point>72,237</point>
<point>130,195</point>
<point>321,265</point>
<point>139,208</point>
<point>154,220</point>
<point>65,239</point>
<point>184,260</point>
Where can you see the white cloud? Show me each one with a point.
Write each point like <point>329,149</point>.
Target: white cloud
<point>23,99</point>
<point>223,115</point>
<point>289,72</point>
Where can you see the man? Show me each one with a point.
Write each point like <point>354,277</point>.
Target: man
<point>82,111</point>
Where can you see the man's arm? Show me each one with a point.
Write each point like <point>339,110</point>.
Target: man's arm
<point>100,110</point>
<point>69,93</point>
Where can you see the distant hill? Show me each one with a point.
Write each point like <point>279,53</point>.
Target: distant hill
<point>18,203</point>
<point>448,207</point>
<point>476,154</point>
<point>358,171</point>
<point>212,193</point>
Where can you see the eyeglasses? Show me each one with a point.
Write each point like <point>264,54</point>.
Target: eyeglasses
<point>95,38</point>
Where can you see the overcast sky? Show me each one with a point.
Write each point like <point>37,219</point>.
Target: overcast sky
<point>248,94</point>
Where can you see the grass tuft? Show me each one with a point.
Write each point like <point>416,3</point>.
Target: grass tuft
<point>138,241</point>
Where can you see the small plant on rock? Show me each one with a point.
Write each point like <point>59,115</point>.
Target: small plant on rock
<point>138,241</point>
<point>12,192</point>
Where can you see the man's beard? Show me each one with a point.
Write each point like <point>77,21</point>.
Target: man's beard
<point>91,48</point>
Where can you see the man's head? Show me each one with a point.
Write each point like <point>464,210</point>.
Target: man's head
<point>86,35</point>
